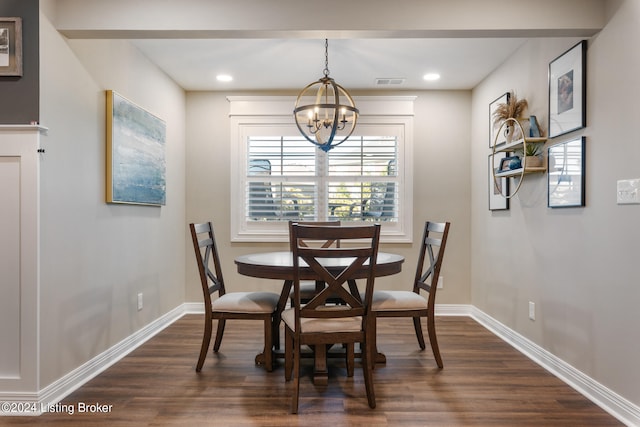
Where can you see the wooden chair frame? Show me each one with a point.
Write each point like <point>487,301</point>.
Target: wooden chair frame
<point>355,310</point>
<point>426,279</point>
<point>306,291</point>
<point>212,282</point>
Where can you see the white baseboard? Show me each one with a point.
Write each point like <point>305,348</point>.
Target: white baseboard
<point>453,310</point>
<point>61,388</point>
<point>193,307</point>
<point>619,407</point>
<point>614,404</point>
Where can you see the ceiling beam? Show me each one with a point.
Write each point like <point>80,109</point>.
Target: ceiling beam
<point>189,19</point>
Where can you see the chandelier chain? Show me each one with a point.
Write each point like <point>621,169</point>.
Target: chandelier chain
<point>326,57</point>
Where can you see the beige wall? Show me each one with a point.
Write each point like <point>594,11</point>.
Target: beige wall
<point>578,265</point>
<point>95,257</point>
<point>441,188</point>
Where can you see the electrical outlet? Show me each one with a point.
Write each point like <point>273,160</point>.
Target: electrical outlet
<point>440,282</point>
<point>140,301</point>
<point>532,310</point>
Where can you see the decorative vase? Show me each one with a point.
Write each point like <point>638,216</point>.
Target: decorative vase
<point>534,129</point>
<point>517,131</point>
<point>508,132</point>
<point>515,163</point>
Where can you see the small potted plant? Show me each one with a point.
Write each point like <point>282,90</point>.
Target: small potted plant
<point>533,155</point>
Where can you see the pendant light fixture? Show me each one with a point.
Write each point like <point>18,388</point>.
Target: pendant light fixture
<point>325,112</point>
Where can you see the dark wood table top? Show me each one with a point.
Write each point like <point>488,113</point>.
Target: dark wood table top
<point>279,265</point>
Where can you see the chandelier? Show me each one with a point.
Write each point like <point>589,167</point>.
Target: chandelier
<point>331,119</point>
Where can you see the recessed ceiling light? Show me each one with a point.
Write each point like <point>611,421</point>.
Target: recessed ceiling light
<point>224,78</point>
<point>430,77</point>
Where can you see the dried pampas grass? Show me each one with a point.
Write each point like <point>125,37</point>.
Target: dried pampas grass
<point>515,109</point>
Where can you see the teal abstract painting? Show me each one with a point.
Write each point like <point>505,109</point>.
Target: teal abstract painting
<point>136,165</point>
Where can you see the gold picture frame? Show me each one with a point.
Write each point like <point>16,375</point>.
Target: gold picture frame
<point>10,46</point>
<point>136,165</point>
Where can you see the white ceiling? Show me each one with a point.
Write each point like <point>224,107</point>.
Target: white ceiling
<point>280,64</point>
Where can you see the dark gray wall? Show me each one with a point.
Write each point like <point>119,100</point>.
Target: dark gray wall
<point>20,96</point>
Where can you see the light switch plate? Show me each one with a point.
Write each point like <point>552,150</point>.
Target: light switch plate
<point>628,191</point>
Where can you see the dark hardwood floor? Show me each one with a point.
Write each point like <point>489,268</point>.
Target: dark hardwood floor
<point>485,382</point>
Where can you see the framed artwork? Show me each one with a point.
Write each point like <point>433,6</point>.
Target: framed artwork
<point>567,91</point>
<point>136,170</point>
<point>503,99</point>
<point>565,179</point>
<point>507,164</point>
<point>10,46</point>
<point>498,187</point>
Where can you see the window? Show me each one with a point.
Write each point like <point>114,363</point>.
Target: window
<point>288,178</point>
<point>282,177</point>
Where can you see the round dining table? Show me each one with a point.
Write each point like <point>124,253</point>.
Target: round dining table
<point>279,266</point>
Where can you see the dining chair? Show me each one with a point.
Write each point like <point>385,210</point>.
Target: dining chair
<point>413,303</point>
<point>309,288</point>
<point>319,323</point>
<point>229,305</point>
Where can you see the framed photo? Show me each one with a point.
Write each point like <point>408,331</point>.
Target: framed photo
<point>565,179</point>
<point>10,46</point>
<point>567,91</point>
<point>503,99</point>
<point>505,164</point>
<point>136,170</point>
<point>498,187</point>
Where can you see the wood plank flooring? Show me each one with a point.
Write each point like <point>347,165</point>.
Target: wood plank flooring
<point>484,382</point>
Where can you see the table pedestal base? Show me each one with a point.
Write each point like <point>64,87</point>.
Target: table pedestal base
<point>320,355</point>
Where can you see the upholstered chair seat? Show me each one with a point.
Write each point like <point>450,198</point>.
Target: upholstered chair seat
<point>398,300</point>
<point>246,302</point>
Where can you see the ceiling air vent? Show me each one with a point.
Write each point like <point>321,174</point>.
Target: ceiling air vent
<point>389,81</point>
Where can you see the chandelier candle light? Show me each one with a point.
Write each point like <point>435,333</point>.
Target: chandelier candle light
<point>327,122</point>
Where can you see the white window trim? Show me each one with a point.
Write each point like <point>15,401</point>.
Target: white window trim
<point>277,111</point>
